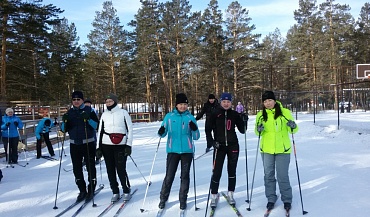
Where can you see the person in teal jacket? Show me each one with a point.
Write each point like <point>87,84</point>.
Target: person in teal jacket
<point>10,135</point>
<point>42,131</point>
<point>273,123</point>
<point>181,128</point>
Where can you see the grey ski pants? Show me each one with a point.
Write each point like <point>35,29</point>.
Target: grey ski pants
<point>280,163</point>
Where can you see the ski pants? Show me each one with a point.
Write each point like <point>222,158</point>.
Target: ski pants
<point>115,162</point>
<point>209,137</point>
<point>13,148</point>
<point>80,153</point>
<point>47,142</point>
<point>172,163</point>
<point>232,153</point>
<point>280,163</point>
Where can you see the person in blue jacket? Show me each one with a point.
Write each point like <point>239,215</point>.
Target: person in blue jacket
<point>181,128</point>
<point>42,131</point>
<point>10,135</point>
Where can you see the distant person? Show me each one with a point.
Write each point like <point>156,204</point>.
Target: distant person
<point>1,175</point>
<point>273,124</point>
<point>240,108</point>
<point>42,131</point>
<point>115,140</point>
<point>81,123</point>
<point>10,135</point>
<point>88,102</point>
<point>181,128</point>
<point>223,122</point>
<point>207,109</point>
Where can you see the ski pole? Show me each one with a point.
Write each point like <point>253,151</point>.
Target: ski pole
<point>60,166</point>
<point>246,155</point>
<point>140,171</point>
<point>210,183</point>
<point>299,181</point>
<point>150,176</point>
<point>195,190</point>
<point>23,147</point>
<point>254,170</point>
<point>89,167</point>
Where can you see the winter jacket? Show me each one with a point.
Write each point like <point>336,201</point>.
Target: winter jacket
<point>223,123</point>
<point>116,120</point>
<point>79,131</point>
<point>274,137</point>
<point>42,128</point>
<point>13,130</point>
<point>208,108</point>
<point>180,136</point>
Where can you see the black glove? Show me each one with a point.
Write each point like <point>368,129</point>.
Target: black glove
<point>7,124</point>
<point>161,130</point>
<point>216,145</point>
<point>65,117</point>
<point>85,115</point>
<point>128,150</point>
<point>16,123</point>
<point>245,117</point>
<point>291,124</point>
<point>193,126</point>
<point>260,128</point>
<point>99,154</point>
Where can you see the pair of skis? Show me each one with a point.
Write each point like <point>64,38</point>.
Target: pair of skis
<point>268,211</point>
<point>87,201</point>
<point>110,206</point>
<point>233,207</point>
<point>161,212</point>
<point>49,158</point>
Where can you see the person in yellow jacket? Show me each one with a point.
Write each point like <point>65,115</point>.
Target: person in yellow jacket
<point>273,123</point>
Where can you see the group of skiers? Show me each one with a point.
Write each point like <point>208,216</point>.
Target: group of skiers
<point>273,123</point>
<point>111,137</point>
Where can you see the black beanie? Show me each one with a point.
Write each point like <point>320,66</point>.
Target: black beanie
<point>181,98</point>
<point>77,94</point>
<point>268,95</point>
<point>211,96</point>
<point>88,100</point>
<point>112,97</point>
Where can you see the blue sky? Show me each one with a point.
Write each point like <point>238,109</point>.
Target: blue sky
<point>267,15</point>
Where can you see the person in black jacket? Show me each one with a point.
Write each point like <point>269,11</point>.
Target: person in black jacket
<point>207,109</point>
<point>81,123</point>
<point>223,122</point>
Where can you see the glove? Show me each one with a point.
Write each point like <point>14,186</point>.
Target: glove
<point>99,154</point>
<point>161,130</point>
<point>291,124</point>
<point>128,150</point>
<point>16,123</point>
<point>65,117</point>
<point>7,124</point>
<point>85,115</point>
<point>260,128</point>
<point>245,117</point>
<point>193,126</point>
<point>216,145</point>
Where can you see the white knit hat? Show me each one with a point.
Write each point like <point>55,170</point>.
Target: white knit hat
<point>9,110</point>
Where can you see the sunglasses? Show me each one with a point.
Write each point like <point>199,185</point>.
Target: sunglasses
<point>76,99</point>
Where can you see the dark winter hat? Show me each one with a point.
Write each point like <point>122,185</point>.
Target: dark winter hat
<point>268,95</point>
<point>226,96</point>
<point>47,122</point>
<point>211,96</point>
<point>112,97</point>
<point>87,100</point>
<point>181,98</point>
<point>77,94</point>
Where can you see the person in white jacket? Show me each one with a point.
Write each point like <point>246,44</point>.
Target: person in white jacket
<point>115,140</point>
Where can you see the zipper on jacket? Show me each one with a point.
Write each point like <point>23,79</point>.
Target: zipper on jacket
<point>226,127</point>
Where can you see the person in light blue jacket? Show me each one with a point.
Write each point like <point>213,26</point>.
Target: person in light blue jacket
<point>10,135</point>
<point>181,128</point>
<point>42,131</point>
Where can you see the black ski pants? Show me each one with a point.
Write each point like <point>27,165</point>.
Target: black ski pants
<point>13,148</point>
<point>115,162</point>
<point>78,154</point>
<point>209,137</point>
<point>232,153</point>
<point>172,163</point>
<point>47,142</point>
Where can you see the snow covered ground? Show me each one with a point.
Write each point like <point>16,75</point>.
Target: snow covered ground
<point>334,167</point>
